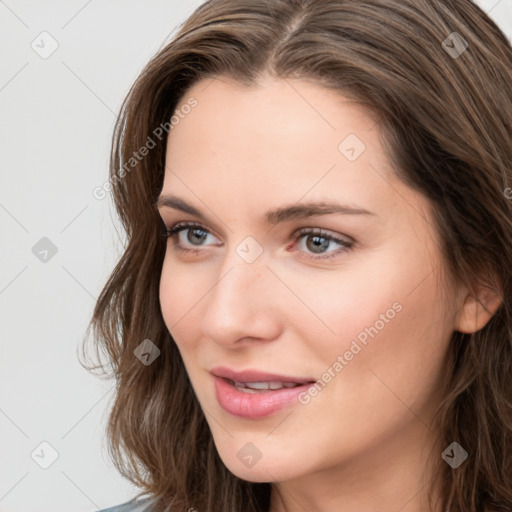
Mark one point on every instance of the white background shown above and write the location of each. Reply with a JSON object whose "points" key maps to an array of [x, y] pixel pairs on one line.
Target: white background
{"points": [[57, 116]]}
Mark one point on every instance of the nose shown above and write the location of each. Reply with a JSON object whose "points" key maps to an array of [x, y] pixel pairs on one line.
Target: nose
{"points": [[243, 304]]}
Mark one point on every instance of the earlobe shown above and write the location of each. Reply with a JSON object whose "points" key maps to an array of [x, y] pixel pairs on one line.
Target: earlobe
{"points": [[478, 309]]}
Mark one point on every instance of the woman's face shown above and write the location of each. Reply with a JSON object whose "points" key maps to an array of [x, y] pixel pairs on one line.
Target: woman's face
{"points": [[362, 308]]}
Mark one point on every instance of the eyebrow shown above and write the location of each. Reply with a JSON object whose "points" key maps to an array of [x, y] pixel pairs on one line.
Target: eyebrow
{"points": [[277, 215]]}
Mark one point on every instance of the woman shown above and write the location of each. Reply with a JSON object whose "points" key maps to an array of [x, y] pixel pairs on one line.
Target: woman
{"points": [[325, 324]]}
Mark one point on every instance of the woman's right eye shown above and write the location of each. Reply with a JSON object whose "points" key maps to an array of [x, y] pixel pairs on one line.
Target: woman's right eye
{"points": [[193, 233]]}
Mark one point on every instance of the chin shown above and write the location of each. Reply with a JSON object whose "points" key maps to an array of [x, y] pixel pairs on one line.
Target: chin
{"points": [[267, 469], [257, 474]]}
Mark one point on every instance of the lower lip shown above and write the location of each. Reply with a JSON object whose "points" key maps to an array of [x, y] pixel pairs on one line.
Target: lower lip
{"points": [[255, 405]]}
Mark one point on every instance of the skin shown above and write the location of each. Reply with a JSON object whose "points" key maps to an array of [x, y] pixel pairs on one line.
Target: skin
{"points": [[361, 443]]}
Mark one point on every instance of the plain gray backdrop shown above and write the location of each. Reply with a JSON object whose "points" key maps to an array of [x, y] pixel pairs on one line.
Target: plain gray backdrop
{"points": [[66, 67]]}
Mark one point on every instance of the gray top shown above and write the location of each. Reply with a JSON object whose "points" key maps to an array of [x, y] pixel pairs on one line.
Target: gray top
{"points": [[141, 505]]}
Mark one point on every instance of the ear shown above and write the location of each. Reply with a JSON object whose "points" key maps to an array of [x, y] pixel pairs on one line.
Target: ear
{"points": [[478, 308]]}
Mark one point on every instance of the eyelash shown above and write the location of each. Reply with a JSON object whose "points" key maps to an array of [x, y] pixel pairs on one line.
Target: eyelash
{"points": [[182, 226]]}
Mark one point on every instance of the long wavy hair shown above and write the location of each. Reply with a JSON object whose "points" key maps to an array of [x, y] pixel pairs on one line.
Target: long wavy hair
{"points": [[437, 74]]}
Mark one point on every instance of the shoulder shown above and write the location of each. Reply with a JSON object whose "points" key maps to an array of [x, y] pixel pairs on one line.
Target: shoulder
{"points": [[131, 506]]}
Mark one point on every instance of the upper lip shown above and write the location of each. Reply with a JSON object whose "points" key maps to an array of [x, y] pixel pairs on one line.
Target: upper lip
{"points": [[256, 376]]}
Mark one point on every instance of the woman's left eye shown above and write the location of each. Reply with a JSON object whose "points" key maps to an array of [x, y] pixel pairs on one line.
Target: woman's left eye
{"points": [[311, 239], [317, 239]]}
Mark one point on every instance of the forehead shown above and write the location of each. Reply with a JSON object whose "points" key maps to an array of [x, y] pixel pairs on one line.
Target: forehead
{"points": [[249, 149], [291, 109]]}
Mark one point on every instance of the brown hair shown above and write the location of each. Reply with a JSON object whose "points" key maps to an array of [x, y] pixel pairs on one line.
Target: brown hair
{"points": [[446, 122]]}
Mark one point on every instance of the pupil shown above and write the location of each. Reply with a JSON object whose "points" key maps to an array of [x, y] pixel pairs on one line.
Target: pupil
{"points": [[200, 238], [317, 245]]}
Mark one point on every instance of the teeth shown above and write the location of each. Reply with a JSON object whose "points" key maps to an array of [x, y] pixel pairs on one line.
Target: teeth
{"points": [[254, 387], [247, 390]]}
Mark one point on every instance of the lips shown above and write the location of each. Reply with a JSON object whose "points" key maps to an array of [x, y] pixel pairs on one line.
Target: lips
{"points": [[253, 394], [247, 376]]}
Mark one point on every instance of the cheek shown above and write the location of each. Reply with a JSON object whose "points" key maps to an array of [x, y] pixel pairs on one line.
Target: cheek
{"points": [[392, 346], [337, 307], [168, 300], [384, 315], [388, 369], [178, 295]]}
